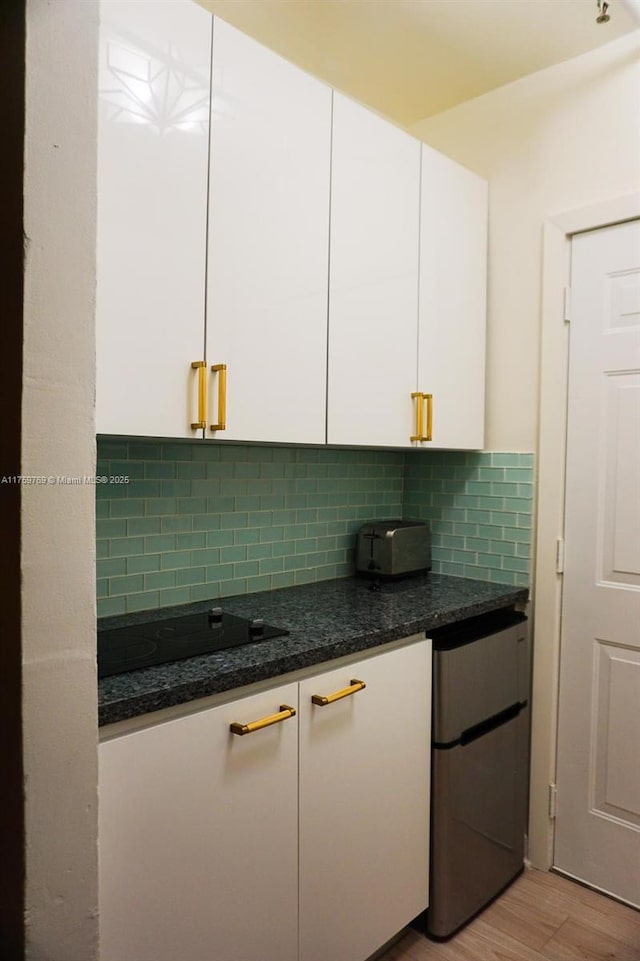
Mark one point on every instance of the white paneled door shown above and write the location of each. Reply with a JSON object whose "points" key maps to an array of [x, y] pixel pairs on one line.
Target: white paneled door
{"points": [[598, 816]]}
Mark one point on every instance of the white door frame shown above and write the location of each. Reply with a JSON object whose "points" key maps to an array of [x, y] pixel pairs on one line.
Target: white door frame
{"points": [[554, 356]]}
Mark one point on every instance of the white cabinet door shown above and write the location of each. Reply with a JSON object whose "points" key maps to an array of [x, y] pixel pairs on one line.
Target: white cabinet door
{"points": [[268, 243], [453, 278], [153, 141], [364, 804], [373, 298], [198, 838]]}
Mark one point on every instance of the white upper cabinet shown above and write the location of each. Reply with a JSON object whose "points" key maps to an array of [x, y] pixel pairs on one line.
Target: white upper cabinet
{"points": [[453, 285], [373, 298], [268, 243], [407, 290], [153, 143], [275, 262]]}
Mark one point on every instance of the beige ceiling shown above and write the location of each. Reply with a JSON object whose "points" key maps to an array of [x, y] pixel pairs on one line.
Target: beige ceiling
{"points": [[410, 59]]}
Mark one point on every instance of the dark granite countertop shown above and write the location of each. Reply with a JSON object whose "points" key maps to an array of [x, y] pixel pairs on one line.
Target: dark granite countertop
{"points": [[326, 620]]}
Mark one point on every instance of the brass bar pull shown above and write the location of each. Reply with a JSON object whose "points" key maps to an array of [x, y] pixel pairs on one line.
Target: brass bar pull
{"points": [[429, 400], [284, 714], [221, 371], [321, 700], [419, 396], [201, 367]]}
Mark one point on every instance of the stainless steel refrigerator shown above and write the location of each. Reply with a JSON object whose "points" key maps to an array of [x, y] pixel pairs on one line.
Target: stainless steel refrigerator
{"points": [[480, 766]]}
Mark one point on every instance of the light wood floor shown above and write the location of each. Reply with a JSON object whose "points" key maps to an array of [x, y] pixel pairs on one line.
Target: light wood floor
{"points": [[541, 917]]}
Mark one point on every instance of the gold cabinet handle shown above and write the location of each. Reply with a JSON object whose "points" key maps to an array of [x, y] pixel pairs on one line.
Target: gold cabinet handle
{"points": [[221, 371], [417, 394], [321, 700], [420, 431], [201, 367], [429, 400], [283, 714]]}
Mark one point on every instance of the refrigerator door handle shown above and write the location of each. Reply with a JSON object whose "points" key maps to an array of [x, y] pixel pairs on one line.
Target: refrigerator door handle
{"points": [[491, 723]]}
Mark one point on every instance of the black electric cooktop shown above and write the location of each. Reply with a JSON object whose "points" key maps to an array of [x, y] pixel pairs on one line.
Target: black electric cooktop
{"points": [[125, 649]]}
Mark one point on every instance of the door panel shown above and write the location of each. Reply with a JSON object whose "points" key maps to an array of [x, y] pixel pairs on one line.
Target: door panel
{"points": [[598, 826], [373, 296], [453, 293], [364, 808], [268, 242], [153, 148], [198, 837], [617, 771], [621, 518]]}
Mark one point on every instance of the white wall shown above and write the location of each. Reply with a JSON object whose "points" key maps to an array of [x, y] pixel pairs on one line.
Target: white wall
{"points": [[58, 546], [559, 139]]}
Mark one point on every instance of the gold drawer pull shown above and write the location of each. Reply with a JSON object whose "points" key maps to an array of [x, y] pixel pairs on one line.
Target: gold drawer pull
{"points": [[417, 394], [429, 400], [321, 700], [221, 371], [201, 367], [284, 713], [421, 397]]}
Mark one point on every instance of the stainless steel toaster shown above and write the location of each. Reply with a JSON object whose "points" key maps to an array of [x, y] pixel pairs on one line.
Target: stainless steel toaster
{"points": [[391, 548]]}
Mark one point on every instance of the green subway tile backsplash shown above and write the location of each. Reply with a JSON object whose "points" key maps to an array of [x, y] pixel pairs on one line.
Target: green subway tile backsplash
{"points": [[202, 520], [480, 508]]}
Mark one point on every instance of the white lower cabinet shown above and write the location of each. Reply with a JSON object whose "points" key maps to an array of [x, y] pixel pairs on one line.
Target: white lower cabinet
{"points": [[198, 836], [212, 850], [364, 804]]}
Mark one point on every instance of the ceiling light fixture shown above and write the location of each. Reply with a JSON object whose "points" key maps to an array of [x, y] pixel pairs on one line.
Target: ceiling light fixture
{"points": [[603, 16]]}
